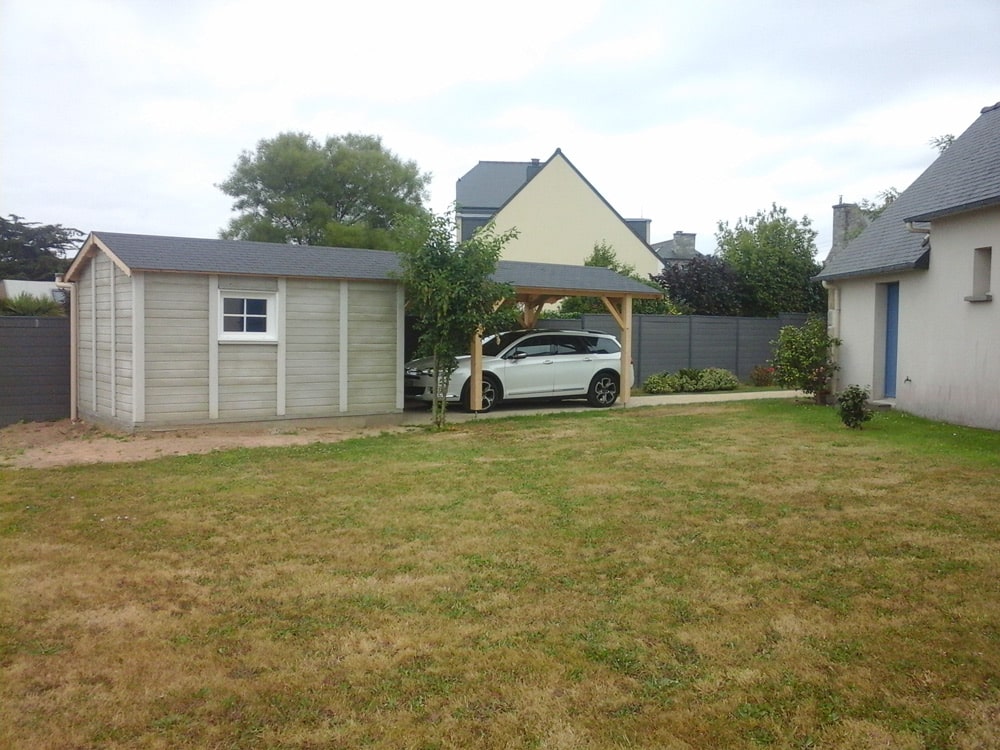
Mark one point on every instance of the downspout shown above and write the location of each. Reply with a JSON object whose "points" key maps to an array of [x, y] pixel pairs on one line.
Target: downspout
{"points": [[74, 322]]}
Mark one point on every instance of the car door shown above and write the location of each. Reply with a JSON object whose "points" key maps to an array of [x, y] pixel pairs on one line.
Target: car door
{"points": [[528, 368], [574, 366]]}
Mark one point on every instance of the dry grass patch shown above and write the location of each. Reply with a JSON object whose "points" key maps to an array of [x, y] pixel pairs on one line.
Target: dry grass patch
{"points": [[743, 575]]}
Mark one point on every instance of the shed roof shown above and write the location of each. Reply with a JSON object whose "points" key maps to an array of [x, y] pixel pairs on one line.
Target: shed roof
{"points": [[140, 252], [965, 177]]}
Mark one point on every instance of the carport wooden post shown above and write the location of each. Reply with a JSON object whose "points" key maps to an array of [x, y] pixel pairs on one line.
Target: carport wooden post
{"points": [[476, 377], [624, 319]]}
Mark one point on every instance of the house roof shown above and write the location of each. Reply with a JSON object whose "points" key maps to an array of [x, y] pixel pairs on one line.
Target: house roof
{"points": [[965, 177], [140, 252], [489, 184]]}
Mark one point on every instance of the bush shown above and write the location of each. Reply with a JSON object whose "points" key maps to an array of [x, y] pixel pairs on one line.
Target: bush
{"points": [[803, 358], [691, 380], [762, 376], [28, 305], [852, 404]]}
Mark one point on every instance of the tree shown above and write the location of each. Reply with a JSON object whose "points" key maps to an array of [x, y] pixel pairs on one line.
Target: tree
{"points": [[451, 292], [349, 191], [604, 256], [32, 251], [775, 256], [803, 358], [704, 285], [942, 142], [874, 208]]}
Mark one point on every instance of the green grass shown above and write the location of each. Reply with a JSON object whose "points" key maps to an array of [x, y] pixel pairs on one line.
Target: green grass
{"points": [[749, 574]]}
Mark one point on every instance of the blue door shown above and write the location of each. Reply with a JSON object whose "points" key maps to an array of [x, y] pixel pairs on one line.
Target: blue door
{"points": [[891, 337]]}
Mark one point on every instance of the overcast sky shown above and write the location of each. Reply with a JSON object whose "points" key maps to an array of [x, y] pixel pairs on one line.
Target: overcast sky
{"points": [[124, 115]]}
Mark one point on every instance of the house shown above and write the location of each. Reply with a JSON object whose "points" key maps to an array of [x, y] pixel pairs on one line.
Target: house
{"points": [[912, 296], [11, 288], [559, 215], [676, 251], [171, 331]]}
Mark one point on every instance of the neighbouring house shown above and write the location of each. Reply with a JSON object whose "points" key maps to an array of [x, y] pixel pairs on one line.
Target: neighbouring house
{"points": [[913, 295], [559, 215], [676, 251], [171, 331], [11, 288]]}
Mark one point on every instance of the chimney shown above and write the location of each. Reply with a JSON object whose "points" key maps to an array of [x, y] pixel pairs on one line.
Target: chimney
{"points": [[534, 168], [684, 245], [848, 222]]}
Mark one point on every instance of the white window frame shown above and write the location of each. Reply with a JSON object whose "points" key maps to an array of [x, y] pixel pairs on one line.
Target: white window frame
{"points": [[982, 268], [269, 336]]}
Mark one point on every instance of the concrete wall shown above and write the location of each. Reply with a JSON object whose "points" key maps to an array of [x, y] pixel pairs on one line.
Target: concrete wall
{"points": [[34, 369]]}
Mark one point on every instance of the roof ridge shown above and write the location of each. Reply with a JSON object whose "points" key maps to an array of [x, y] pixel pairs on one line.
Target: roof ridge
{"points": [[984, 110]]}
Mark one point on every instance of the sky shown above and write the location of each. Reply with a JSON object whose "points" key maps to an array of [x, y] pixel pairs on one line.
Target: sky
{"points": [[124, 115]]}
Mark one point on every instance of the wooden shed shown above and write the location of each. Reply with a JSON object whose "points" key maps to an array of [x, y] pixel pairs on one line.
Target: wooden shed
{"points": [[171, 331]]}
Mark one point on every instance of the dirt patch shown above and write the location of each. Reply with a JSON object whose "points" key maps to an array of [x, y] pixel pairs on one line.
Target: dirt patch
{"points": [[41, 445]]}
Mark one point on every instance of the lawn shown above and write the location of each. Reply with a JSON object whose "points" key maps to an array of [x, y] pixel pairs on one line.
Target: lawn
{"points": [[734, 575]]}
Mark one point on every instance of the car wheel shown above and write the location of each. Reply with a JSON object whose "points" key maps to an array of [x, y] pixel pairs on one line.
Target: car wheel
{"points": [[491, 395], [603, 391]]}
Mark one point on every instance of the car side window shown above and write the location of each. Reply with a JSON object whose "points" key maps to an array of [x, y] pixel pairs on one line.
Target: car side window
{"points": [[602, 345], [539, 346], [570, 345]]}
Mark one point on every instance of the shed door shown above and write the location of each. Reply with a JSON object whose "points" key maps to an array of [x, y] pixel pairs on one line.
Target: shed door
{"points": [[891, 337]]}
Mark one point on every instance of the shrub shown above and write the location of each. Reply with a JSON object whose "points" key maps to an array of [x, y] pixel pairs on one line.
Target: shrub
{"points": [[656, 384], [803, 358], [691, 380], [28, 305], [717, 379], [762, 376], [852, 403]]}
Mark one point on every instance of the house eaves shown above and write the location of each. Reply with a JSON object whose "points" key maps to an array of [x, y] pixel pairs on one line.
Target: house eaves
{"points": [[965, 177]]}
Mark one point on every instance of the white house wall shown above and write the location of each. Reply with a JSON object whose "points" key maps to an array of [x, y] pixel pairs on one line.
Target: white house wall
{"points": [[560, 218], [948, 359]]}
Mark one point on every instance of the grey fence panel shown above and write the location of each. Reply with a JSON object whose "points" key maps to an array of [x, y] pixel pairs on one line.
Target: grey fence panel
{"points": [[668, 343], [714, 342], [34, 369]]}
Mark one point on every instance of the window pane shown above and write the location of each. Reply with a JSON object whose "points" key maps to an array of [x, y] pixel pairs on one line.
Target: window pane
{"points": [[256, 325], [232, 306], [256, 307], [232, 324]]}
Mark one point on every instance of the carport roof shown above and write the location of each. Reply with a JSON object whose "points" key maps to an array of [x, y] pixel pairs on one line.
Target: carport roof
{"points": [[140, 252]]}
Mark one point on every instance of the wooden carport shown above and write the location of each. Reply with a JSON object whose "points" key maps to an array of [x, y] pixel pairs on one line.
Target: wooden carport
{"points": [[539, 284]]}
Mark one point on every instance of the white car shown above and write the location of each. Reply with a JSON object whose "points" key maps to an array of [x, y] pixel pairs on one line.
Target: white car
{"points": [[537, 364]]}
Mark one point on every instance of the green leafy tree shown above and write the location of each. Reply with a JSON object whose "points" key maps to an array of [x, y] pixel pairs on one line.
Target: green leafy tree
{"points": [[451, 292], [347, 191], [775, 256], [34, 252], [29, 305], [874, 208], [704, 285], [604, 256], [803, 358]]}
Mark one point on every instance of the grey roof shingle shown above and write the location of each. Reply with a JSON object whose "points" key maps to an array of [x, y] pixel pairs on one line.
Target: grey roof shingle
{"points": [[489, 184], [963, 178], [141, 252]]}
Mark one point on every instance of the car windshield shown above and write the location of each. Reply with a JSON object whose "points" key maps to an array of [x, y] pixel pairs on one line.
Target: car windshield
{"points": [[493, 345]]}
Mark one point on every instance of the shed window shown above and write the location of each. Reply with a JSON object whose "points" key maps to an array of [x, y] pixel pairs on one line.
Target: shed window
{"points": [[248, 318]]}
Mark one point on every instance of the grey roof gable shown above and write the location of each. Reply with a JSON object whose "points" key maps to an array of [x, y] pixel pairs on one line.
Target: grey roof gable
{"points": [[489, 184], [965, 177], [139, 252]]}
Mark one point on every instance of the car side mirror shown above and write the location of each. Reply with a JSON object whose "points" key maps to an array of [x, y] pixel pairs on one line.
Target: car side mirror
{"points": [[518, 355]]}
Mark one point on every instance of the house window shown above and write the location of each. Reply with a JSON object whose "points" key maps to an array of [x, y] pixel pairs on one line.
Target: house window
{"points": [[982, 262], [248, 318]]}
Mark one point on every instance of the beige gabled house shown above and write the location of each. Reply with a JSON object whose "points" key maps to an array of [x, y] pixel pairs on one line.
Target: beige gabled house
{"points": [[558, 214]]}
